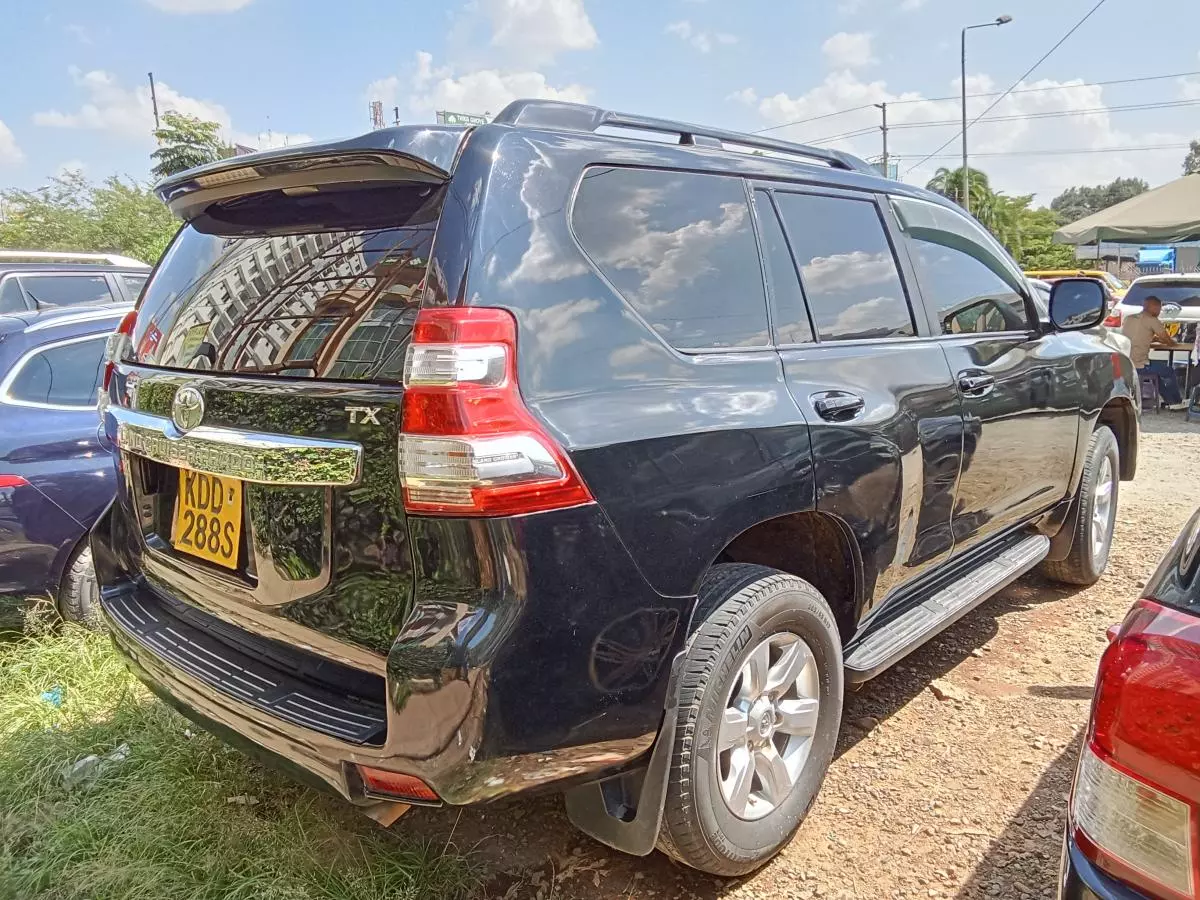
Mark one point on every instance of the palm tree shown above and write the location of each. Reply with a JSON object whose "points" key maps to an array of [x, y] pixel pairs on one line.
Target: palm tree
{"points": [[949, 183]]}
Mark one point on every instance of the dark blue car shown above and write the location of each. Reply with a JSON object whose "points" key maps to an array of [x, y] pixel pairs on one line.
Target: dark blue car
{"points": [[56, 474]]}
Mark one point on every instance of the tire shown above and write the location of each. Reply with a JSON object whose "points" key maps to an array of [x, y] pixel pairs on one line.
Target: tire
{"points": [[1101, 478], [741, 608], [79, 593]]}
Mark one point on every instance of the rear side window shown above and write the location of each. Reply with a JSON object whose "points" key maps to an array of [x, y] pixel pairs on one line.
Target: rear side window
{"points": [[133, 284], [66, 290], [11, 299], [680, 248], [847, 267], [791, 319], [962, 276], [63, 374]]}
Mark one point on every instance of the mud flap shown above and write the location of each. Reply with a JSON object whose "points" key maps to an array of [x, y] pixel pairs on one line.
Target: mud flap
{"points": [[625, 811]]}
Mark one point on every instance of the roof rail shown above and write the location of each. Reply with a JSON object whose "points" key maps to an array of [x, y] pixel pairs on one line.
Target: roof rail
{"points": [[112, 259], [580, 117]]}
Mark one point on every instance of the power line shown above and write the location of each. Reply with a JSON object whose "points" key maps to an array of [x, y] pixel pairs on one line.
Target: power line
{"points": [[1032, 90], [1073, 152], [1013, 86]]}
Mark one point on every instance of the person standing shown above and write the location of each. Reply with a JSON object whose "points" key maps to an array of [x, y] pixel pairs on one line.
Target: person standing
{"points": [[1146, 332]]}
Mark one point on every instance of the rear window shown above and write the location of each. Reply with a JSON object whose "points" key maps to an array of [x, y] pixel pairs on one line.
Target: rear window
{"points": [[334, 298], [62, 374], [1181, 294], [48, 291], [680, 248]]}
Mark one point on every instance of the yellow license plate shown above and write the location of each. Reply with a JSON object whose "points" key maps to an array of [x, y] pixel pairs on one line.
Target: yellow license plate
{"points": [[208, 517]]}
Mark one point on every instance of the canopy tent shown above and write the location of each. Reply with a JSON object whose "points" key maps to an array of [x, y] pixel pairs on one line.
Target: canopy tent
{"points": [[1165, 215]]}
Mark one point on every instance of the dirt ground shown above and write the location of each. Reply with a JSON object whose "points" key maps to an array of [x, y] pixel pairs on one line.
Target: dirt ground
{"points": [[926, 798]]}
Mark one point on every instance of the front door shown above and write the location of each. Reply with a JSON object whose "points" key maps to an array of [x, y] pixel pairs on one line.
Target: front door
{"points": [[1019, 402], [883, 412]]}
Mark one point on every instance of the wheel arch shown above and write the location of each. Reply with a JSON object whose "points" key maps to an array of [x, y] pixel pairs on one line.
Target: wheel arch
{"points": [[1119, 415], [813, 545]]}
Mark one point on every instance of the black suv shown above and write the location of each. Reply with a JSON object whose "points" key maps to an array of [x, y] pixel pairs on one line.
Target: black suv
{"points": [[458, 462], [32, 280]]}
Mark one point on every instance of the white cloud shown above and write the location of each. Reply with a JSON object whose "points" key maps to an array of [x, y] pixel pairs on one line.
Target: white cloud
{"points": [[846, 50], [911, 5], [703, 41], [850, 7], [127, 112], [536, 31], [1044, 175], [747, 96], [72, 165], [199, 6], [428, 88], [10, 153]]}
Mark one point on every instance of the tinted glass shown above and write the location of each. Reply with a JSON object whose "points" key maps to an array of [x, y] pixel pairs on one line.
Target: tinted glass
{"points": [[67, 375], [680, 248], [963, 276], [11, 299], [1182, 294], [791, 318], [312, 304], [133, 284], [846, 266], [1078, 304], [66, 290]]}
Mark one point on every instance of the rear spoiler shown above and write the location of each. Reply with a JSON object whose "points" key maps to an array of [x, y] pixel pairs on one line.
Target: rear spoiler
{"points": [[407, 153]]}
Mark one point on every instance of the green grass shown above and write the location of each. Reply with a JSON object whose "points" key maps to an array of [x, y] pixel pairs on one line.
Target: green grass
{"points": [[160, 824]]}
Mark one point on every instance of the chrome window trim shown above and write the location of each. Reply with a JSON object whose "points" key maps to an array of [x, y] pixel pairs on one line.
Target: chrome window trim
{"points": [[259, 457], [6, 397]]}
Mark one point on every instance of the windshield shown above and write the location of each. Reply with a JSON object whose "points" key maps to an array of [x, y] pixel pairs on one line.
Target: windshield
{"points": [[1184, 294], [1114, 282]]}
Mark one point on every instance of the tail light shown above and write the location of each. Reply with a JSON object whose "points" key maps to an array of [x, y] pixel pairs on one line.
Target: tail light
{"points": [[396, 786], [118, 346], [468, 444], [1114, 318], [11, 481], [1134, 807]]}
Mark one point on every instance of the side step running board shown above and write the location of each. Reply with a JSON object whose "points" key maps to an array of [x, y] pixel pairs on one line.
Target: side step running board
{"points": [[881, 647]]}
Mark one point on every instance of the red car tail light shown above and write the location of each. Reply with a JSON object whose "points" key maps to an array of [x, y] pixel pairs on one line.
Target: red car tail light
{"points": [[118, 343], [394, 785], [1134, 806], [12, 481], [468, 444], [1114, 319]]}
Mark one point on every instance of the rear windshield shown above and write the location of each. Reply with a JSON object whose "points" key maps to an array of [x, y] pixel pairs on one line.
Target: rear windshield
{"points": [[1181, 294], [298, 300]]}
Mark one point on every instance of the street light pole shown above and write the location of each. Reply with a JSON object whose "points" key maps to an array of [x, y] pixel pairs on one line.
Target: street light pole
{"points": [[966, 171]]}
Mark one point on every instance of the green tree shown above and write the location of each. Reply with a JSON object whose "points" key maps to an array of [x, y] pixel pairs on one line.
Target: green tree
{"points": [[1191, 162], [949, 183], [184, 142], [1075, 203], [70, 213]]}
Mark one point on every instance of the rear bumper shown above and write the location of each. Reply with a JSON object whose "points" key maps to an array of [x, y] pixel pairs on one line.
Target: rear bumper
{"points": [[500, 678], [1080, 880]]}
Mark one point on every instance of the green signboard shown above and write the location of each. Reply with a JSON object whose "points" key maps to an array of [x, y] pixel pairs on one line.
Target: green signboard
{"points": [[456, 118]]}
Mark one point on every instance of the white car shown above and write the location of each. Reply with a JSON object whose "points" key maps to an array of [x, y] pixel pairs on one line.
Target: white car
{"points": [[1180, 296]]}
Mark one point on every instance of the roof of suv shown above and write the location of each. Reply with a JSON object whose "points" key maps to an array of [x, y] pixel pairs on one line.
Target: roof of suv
{"points": [[32, 320], [69, 268]]}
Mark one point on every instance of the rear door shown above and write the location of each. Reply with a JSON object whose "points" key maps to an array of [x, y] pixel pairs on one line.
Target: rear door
{"points": [[883, 410], [1020, 388]]}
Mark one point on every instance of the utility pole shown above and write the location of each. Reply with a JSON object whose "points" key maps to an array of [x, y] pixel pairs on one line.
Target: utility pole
{"points": [[882, 107], [153, 100], [396, 113]]}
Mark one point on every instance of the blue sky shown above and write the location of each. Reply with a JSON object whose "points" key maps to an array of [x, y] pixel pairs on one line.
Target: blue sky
{"points": [[74, 90]]}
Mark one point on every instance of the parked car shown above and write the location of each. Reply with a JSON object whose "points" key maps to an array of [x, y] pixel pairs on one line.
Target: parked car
{"points": [[471, 461], [56, 473], [1135, 807], [1180, 296], [35, 280], [1114, 284]]}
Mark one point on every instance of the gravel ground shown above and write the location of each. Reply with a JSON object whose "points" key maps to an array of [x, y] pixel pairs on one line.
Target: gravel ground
{"points": [[926, 798]]}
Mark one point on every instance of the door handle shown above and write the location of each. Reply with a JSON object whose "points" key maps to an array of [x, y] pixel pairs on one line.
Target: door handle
{"points": [[976, 384], [838, 406]]}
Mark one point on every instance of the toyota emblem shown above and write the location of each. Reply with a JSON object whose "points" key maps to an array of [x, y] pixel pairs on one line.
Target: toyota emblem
{"points": [[187, 411]]}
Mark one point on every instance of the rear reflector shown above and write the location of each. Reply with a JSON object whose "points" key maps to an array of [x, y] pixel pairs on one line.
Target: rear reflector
{"points": [[397, 786], [469, 446]]}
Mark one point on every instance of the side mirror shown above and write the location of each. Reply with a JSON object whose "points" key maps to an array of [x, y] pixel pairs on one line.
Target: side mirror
{"points": [[1077, 303]]}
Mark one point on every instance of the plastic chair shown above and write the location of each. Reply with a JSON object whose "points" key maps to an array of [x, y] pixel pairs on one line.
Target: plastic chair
{"points": [[1193, 409], [1151, 399]]}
